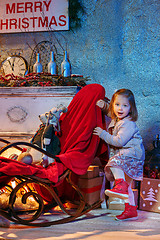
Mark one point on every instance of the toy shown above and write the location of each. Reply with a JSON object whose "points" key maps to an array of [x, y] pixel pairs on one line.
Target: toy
{"points": [[45, 138], [52, 117], [25, 158]]}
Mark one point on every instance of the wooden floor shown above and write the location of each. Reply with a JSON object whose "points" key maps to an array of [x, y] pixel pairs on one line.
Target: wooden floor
{"points": [[99, 224]]}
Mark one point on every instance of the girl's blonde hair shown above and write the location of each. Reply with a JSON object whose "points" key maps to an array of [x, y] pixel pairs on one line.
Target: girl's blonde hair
{"points": [[129, 95]]}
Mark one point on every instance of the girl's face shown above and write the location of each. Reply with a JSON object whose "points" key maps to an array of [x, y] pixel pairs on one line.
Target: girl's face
{"points": [[121, 107]]}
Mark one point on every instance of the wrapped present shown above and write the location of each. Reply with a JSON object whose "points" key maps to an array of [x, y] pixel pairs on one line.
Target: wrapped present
{"points": [[115, 204], [91, 188], [92, 172], [150, 195], [119, 204]]}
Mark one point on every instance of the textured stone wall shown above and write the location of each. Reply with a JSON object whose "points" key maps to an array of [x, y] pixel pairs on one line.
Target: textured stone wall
{"points": [[116, 46]]}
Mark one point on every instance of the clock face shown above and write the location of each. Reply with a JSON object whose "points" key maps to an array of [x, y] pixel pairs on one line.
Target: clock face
{"points": [[16, 65]]}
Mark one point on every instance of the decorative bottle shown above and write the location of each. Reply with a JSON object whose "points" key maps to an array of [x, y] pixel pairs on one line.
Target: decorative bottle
{"points": [[65, 66], [37, 67], [52, 65]]}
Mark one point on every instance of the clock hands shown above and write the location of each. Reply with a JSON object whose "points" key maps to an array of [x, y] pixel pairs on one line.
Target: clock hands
{"points": [[12, 67], [13, 64]]}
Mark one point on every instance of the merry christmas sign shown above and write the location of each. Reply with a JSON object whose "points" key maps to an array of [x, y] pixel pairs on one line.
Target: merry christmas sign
{"points": [[150, 195], [33, 15]]}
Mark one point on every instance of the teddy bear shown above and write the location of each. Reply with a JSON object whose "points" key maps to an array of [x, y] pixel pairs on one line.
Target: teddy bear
{"points": [[45, 138]]}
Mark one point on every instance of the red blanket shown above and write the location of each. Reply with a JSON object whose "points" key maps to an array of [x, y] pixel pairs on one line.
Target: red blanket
{"points": [[78, 144]]}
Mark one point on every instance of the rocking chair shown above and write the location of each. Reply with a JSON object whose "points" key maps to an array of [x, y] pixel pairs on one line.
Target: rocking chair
{"points": [[43, 185]]}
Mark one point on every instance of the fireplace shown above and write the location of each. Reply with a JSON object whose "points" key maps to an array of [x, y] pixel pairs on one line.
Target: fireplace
{"points": [[21, 106]]}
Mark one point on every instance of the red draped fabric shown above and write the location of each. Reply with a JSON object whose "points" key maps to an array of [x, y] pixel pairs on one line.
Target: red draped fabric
{"points": [[78, 144], [12, 168]]}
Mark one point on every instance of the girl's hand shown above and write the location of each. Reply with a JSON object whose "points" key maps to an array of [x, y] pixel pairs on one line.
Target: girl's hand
{"points": [[97, 131], [101, 103]]}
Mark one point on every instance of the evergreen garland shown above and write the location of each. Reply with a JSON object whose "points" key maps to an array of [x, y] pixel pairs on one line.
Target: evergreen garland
{"points": [[76, 9], [42, 80]]}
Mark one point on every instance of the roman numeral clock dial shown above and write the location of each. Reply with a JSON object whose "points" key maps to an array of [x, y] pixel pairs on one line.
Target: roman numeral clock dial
{"points": [[15, 64]]}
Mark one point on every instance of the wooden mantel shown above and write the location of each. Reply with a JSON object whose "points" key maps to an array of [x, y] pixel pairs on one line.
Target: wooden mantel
{"points": [[57, 91], [21, 106]]}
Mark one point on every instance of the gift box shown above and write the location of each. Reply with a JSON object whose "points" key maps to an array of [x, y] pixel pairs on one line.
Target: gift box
{"points": [[90, 184], [91, 189], [115, 204], [92, 172], [150, 195], [119, 204]]}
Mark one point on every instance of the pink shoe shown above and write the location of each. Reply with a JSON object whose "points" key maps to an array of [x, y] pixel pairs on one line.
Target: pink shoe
{"points": [[130, 213], [120, 189]]}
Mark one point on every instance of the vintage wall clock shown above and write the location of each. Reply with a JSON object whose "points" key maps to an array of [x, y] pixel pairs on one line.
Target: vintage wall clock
{"points": [[15, 64]]}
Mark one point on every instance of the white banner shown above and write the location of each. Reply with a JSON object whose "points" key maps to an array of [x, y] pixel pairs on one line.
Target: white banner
{"points": [[33, 15]]}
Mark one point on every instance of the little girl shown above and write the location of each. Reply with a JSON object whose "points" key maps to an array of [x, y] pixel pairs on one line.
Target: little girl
{"points": [[126, 149]]}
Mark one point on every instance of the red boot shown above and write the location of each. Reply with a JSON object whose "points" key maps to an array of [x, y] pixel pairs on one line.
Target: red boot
{"points": [[130, 213], [120, 189]]}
